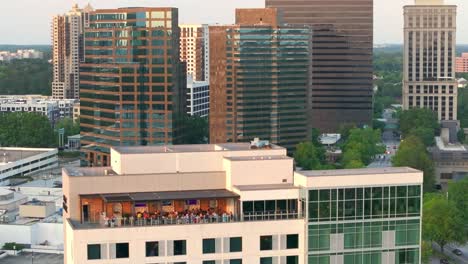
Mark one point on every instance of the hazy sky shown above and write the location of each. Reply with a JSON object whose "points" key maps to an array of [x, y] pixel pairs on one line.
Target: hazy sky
{"points": [[28, 21]]}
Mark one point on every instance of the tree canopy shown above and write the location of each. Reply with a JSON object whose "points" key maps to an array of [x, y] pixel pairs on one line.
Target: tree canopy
{"points": [[458, 196], [28, 76], [441, 221], [196, 130], [419, 122], [361, 146], [412, 153], [26, 130]]}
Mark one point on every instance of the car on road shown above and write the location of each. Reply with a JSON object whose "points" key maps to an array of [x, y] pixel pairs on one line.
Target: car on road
{"points": [[457, 252], [444, 261]]}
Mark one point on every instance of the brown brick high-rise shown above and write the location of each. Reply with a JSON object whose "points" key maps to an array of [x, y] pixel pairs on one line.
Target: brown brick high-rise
{"points": [[342, 58]]}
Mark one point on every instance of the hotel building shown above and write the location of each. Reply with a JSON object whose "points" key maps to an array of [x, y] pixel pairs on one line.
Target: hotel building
{"points": [[132, 85], [237, 203], [67, 51], [259, 79], [429, 58], [342, 70]]}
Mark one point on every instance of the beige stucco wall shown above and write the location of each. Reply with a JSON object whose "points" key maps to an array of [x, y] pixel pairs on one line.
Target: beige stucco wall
{"points": [[360, 180], [180, 162], [137, 237], [39, 211], [259, 171]]}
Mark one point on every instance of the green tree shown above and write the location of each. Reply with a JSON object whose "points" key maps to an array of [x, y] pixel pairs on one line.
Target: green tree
{"points": [[420, 122], [28, 76], [458, 196], [362, 145], [463, 107], [412, 153], [196, 130], [441, 221], [71, 128], [308, 156], [427, 135], [26, 130]]}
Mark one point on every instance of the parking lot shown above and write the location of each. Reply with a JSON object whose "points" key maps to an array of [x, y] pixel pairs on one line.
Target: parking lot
{"points": [[39, 258]]}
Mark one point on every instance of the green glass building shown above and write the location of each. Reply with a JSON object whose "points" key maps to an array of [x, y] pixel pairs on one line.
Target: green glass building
{"points": [[259, 80], [378, 224], [132, 81]]}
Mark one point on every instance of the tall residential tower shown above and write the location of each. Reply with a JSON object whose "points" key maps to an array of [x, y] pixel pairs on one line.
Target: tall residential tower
{"points": [[429, 58], [342, 58], [259, 79], [132, 81], [193, 43], [67, 51]]}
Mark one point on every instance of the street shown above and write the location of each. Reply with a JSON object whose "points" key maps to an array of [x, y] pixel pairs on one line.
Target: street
{"points": [[391, 142]]}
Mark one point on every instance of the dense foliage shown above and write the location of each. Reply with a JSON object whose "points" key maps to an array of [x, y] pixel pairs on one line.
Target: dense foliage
{"points": [[412, 153], [421, 123], [463, 107], [442, 222], [26, 130], [311, 155], [388, 69], [361, 146], [196, 130], [458, 196], [71, 128], [29, 76]]}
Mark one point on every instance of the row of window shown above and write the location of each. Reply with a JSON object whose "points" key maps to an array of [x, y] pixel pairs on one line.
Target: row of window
{"points": [[179, 247]]}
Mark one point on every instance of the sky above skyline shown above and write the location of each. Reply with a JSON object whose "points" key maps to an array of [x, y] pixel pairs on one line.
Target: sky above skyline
{"points": [[28, 21]]}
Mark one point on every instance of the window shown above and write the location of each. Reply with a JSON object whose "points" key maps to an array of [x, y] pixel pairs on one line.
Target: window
{"points": [[121, 250], [235, 244], [292, 260], [209, 262], [209, 245], [235, 261], [266, 242], [94, 251], [152, 249], [180, 247], [292, 241], [266, 260]]}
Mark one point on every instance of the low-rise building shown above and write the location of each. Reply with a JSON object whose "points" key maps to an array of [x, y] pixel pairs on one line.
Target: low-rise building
{"points": [[237, 203], [198, 97], [461, 65], [450, 160], [21, 54], [24, 161], [54, 109]]}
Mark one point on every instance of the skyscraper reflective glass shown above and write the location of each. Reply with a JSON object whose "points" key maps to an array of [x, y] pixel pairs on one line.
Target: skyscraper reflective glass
{"points": [[131, 81]]}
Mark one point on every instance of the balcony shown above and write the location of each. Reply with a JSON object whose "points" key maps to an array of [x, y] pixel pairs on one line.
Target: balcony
{"points": [[169, 208]]}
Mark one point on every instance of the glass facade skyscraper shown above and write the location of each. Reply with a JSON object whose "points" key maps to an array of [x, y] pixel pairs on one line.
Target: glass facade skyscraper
{"points": [[132, 82], [368, 225], [342, 68], [259, 79]]}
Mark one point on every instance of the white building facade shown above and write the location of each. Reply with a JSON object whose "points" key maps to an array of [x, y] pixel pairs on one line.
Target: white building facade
{"points": [[198, 97], [233, 203]]}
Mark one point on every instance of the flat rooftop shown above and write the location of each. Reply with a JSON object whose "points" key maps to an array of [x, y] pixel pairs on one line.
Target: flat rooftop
{"points": [[258, 158], [190, 148], [449, 147], [89, 171], [353, 172], [8, 155]]}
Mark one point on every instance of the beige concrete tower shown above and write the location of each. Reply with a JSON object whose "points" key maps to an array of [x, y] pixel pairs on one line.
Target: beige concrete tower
{"points": [[67, 51], [192, 50], [429, 58]]}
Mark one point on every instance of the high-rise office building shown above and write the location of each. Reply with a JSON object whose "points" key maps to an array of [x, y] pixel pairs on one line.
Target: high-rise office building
{"points": [[238, 204], [259, 79], [192, 50], [67, 51], [342, 58], [429, 58], [132, 83]]}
